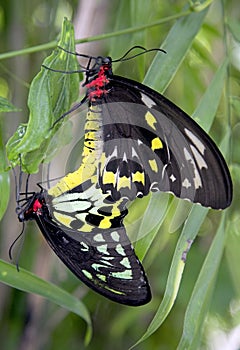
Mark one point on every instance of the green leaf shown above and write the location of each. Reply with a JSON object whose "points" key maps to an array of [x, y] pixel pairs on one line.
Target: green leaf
{"points": [[234, 28], [233, 224], [199, 303], [177, 44], [4, 178], [6, 106], [28, 282], [207, 108], [202, 292], [4, 192], [149, 227], [51, 94]]}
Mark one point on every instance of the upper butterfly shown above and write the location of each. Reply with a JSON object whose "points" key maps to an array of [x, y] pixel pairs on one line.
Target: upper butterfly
{"points": [[143, 142]]}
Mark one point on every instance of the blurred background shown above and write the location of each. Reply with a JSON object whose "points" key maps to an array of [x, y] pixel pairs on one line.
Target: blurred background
{"points": [[30, 322]]}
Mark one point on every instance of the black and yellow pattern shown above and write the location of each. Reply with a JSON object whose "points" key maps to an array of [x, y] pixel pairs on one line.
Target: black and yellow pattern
{"points": [[86, 231], [136, 141], [152, 145]]}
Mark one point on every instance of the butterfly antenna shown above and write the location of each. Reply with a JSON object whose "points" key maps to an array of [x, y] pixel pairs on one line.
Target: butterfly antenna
{"points": [[74, 108], [13, 244], [64, 71], [27, 185], [82, 70], [133, 48], [76, 54], [124, 58]]}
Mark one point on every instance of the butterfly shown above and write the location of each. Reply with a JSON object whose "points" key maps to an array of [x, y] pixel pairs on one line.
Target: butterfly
{"points": [[136, 142]]}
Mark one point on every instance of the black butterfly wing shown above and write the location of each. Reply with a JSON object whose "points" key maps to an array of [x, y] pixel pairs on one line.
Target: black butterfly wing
{"points": [[103, 259], [150, 144], [84, 228]]}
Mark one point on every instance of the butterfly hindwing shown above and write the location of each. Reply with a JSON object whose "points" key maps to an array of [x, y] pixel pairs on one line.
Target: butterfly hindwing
{"points": [[103, 259], [84, 228]]}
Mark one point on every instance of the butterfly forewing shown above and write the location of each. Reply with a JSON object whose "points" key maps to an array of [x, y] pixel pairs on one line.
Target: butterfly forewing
{"points": [[150, 144]]}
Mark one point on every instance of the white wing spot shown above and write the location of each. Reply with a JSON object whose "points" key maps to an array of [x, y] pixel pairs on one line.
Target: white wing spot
{"points": [[125, 262], [124, 157], [72, 206], [199, 159], [98, 267], [99, 238], [85, 247], [147, 101], [120, 249], [186, 183], [81, 216], [103, 249], [65, 241], [112, 155], [134, 153], [200, 146], [172, 178], [115, 236], [197, 178], [127, 274], [107, 257], [87, 274]]}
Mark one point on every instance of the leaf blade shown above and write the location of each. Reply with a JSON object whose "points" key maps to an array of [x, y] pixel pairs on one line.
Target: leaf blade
{"points": [[30, 283], [51, 95]]}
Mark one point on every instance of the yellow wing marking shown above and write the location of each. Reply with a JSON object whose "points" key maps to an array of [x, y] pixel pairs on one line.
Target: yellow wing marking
{"points": [[138, 177], [150, 119], [108, 177], [156, 143], [63, 219], [153, 165], [90, 156], [123, 181], [72, 180]]}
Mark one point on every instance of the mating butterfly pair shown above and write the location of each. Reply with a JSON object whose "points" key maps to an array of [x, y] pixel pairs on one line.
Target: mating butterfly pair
{"points": [[136, 141]]}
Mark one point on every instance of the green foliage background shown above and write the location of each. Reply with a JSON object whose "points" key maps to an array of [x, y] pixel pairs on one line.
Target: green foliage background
{"points": [[201, 78]]}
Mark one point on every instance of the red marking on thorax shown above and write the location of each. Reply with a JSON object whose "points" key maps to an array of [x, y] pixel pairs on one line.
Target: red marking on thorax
{"points": [[95, 87], [37, 205]]}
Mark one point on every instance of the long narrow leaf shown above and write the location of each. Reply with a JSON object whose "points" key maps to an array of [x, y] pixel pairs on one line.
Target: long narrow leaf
{"points": [[28, 282], [177, 44], [202, 293]]}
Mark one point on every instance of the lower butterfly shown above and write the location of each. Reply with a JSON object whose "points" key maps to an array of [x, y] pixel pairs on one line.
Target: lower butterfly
{"points": [[85, 229], [136, 141]]}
